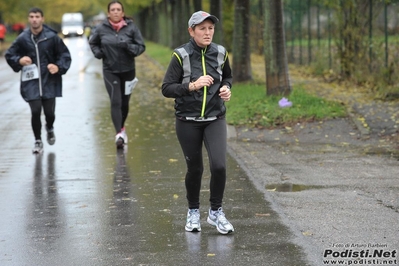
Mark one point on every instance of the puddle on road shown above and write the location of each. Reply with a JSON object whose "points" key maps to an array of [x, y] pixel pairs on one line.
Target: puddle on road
{"points": [[288, 187]]}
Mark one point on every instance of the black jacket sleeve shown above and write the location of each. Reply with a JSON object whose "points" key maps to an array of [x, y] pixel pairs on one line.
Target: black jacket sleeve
{"points": [[172, 86], [63, 57], [12, 56], [137, 47], [95, 45], [227, 77]]}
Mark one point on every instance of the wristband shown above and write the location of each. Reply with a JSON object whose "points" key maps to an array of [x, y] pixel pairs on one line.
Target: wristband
{"points": [[193, 85]]}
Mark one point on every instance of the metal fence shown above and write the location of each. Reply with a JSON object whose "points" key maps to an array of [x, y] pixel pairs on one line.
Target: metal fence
{"points": [[312, 33]]}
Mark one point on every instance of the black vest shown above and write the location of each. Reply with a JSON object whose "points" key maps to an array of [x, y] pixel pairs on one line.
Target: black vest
{"points": [[197, 62]]}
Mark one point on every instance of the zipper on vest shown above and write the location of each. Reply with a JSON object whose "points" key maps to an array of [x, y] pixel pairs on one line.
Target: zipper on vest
{"points": [[205, 87]]}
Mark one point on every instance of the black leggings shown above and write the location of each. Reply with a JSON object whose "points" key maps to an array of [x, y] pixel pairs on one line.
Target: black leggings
{"points": [[36, 106], [192, 135], [115, 85]]}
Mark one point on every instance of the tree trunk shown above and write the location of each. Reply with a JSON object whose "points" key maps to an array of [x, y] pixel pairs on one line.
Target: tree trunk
{"points": [[154, 17], [166, 38], [241, 45], [216, 10], [277, 77], [353, 25], [197, 5], [186, 14], [179, 25]]}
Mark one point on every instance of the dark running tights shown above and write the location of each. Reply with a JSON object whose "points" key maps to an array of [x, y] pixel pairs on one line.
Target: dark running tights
{"points": [[36, 106], [192, 135], [115, 85]]}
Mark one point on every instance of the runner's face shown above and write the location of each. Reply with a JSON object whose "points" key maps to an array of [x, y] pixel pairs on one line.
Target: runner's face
{"points": [[36, 21], [203, 33], [115, 12]]}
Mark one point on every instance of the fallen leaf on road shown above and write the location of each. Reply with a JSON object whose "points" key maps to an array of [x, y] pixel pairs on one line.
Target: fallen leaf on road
{"points": [[262, 214], [307, 233], [155, 171]]}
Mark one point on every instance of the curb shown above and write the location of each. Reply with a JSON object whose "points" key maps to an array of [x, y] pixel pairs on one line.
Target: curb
{"points": [[231, 132]]}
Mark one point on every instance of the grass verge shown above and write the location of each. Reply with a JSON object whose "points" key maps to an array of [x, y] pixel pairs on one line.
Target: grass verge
{"points": [[251, 107]]}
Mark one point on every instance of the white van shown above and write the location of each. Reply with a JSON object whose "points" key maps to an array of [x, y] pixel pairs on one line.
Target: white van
{"points": [[72, 24]]}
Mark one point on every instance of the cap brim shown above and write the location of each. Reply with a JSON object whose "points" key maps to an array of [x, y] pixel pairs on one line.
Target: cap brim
{"points": [[213, 18]]}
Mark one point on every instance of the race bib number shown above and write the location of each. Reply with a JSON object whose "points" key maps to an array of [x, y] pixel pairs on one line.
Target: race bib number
{"points": [[130, 85], [30, 72]]}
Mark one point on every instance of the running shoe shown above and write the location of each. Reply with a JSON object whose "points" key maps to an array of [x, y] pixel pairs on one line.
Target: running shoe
{"points": [[50, 136], [218, 219], [193, 221], [124, 135], [119, 141], [38, 146]]}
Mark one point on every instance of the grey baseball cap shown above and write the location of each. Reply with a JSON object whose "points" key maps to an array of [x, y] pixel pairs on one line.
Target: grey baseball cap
{"points": [[200, 16]]}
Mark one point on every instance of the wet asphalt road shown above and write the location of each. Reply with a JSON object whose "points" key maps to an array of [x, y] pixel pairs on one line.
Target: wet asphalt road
{"points": [[81, 202]]}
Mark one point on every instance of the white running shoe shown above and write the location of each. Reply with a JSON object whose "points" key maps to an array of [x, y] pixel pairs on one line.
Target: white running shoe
{"points": [[218, 219], [124, 135], [38, 146], [193, 221], [119, 141]]}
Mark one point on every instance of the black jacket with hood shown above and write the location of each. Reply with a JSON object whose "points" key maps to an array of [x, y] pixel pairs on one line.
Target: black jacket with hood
{"points": [[45, 48], [117, 49]]}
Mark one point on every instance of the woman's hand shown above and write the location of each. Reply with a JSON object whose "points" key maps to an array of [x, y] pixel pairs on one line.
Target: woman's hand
{"points": [[202, 82], [225, 93]]}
